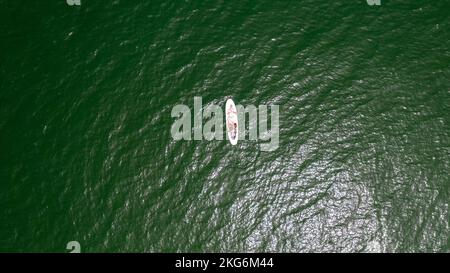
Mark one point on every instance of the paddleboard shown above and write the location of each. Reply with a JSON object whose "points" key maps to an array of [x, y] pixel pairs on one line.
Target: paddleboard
{"points": [[232, 122]]}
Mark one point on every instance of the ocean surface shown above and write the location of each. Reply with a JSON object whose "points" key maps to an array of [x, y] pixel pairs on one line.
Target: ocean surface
{"points": [[86, 152]]}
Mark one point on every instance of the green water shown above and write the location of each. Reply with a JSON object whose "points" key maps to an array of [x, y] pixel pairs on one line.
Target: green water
{"points": [[86, 153]]}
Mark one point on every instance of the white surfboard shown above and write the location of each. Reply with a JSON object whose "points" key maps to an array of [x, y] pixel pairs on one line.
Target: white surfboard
{"points": [[232, 122]]}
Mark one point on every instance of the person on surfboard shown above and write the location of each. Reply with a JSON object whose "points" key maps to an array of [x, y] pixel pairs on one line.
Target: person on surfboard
{"points": [[232, 128], [234, 131]]}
